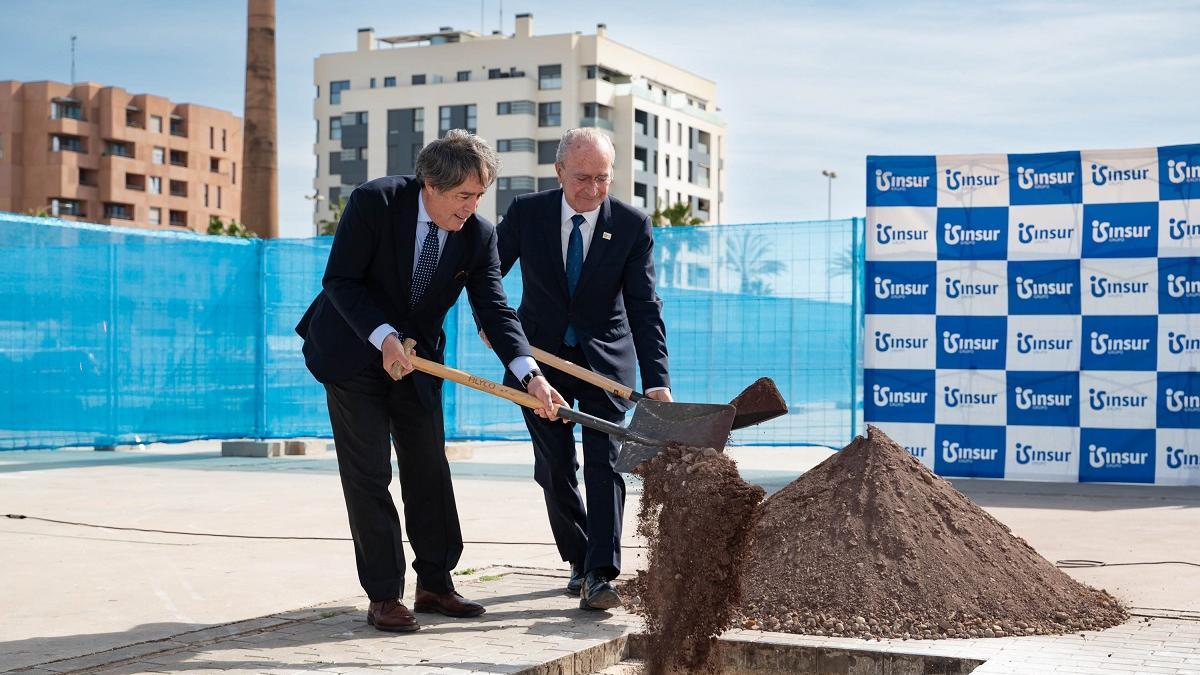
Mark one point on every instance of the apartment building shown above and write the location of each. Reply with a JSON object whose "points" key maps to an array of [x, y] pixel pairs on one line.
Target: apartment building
{"points": [[100, 154], [377, 106]]}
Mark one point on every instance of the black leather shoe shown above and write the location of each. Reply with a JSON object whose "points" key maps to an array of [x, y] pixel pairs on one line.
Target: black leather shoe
{"points": [[576, 581], [598, 593]]}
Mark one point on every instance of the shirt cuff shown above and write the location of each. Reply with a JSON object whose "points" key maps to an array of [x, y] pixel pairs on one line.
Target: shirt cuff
{"points": [[521, 366], [651, 390], [379, 334]]}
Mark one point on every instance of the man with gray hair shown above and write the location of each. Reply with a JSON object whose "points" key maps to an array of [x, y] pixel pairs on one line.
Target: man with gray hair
{"points": [[405, 248], [587, 269]]}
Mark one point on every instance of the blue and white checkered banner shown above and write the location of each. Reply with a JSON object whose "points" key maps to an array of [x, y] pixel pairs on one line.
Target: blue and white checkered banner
{"points": [[1037, 316]]}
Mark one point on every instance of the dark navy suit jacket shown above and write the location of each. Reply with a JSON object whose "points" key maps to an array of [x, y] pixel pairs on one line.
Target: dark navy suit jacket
{"points": [[616, 312], [368, 279]]}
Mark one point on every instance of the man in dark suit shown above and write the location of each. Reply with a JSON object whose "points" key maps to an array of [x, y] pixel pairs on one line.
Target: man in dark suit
{"points": [[404, 250], [587, 269]]}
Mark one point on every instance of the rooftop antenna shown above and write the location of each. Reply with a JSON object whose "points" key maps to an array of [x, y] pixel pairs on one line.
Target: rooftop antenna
{"points": [[481, 2], [501, 16], [73, 59]]}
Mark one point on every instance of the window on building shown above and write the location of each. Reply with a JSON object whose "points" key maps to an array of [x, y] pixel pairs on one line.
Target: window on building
{"points": [[596, 115], [702, 205], [640, 155], [516, 145], [66, 143], [156, 124], [178, 188], [133, 118], [335, 90], [178, 126], [389, 81], [224, 148], [691, 138], [418, 121], [472, 118], [335, 128], [514, 108], [158, 155], [179, 158], [87, 177], [66, 207], [218, 196], [418, 79], [550, 114], [547, 183], [550, 77], [115, 211], [372, 83], [463, 76], [639, 195], [61, 109], [155, 215], [214, 165], [212, 138], [654, 165], [668, 164], [178, 218], [119, 148], [679, 167], [679, 133], [206, 195], [515, 183], [135, 181], [154, 185], [589, 72], [233, 172], [547, 151], [456, 116], [668, 125], [641, 122]]}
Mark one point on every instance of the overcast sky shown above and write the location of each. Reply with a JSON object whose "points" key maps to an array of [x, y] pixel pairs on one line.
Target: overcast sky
{"points": [[803, 86]]}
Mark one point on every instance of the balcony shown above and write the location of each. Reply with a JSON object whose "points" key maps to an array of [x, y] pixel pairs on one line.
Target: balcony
{"points": [[599, 122]]}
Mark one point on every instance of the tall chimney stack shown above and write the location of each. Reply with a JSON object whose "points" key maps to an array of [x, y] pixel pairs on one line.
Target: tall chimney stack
{"points": [[260, 165]]}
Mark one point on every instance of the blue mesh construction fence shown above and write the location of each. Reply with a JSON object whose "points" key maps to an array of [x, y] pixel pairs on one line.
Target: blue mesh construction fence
{"points": [[112, 336]]}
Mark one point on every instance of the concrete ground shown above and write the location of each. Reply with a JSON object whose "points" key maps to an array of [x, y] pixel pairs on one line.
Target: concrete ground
{"points": [[72, 591]]}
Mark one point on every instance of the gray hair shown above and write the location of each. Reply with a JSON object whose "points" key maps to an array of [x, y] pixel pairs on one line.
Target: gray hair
{"points": [[576, 137], [448, 161]]}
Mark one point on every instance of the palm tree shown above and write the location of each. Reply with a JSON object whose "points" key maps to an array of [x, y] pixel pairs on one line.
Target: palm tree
{"points": [[680, 214], [746, 256], [329, 227]]}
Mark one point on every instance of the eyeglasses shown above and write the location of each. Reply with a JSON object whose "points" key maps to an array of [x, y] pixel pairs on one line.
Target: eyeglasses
{"points": [[598, 181]]}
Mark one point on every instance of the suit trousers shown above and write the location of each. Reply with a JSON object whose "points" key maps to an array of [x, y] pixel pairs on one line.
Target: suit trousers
{"points": [[365, 410], [587, 536]]}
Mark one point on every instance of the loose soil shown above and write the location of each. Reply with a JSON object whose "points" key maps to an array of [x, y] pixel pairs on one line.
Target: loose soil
{"points": [[871, 543], [697, 515]]}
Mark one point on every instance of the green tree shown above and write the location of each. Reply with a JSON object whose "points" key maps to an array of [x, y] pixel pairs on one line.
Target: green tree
{"points": [[231, 229], [329, 227], [747, 257], [679, 214]]}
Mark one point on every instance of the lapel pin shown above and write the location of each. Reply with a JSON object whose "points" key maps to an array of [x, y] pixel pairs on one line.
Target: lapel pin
{"points": [[606, 235]]}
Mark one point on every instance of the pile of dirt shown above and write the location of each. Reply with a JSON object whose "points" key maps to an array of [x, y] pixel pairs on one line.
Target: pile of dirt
{"points": [[696, 515], [872, 544]]}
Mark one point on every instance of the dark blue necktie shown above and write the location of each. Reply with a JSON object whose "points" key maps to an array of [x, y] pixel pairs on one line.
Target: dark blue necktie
{"points": [[426, 264], [574, 267]]}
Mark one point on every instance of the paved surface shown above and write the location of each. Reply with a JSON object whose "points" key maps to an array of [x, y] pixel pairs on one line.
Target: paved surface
{"points": [[72, 591]]}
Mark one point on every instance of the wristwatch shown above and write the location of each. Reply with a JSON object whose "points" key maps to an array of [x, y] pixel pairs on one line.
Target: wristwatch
{"points": [[529, 378]]}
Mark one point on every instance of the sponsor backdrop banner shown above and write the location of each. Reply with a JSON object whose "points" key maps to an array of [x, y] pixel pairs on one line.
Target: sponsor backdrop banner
{"points": [[1037, 316]]}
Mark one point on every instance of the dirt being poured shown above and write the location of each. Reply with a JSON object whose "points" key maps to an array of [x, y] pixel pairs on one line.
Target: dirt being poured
{"points": [[871, 543], [696, 515]]}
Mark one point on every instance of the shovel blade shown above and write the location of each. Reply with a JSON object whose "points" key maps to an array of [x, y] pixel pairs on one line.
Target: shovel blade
{"points": [[657, 424], [758, 403]]}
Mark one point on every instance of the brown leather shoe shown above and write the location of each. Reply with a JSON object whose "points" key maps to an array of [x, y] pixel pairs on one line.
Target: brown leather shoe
{"points": [[392, 616], [450, 604]]}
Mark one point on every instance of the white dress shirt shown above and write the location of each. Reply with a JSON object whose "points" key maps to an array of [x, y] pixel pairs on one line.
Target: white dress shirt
{"points": [[520, 366]]}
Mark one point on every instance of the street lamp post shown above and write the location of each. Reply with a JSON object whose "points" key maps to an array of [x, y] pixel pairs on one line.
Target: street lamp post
{"points": [[829, 195]]}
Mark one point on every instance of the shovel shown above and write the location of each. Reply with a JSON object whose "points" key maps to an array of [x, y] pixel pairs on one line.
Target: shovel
{"points": [[655, 424], [757, 403]]}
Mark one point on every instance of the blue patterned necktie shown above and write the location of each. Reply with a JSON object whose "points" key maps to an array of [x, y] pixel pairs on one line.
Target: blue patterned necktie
{"points": [[574, 267], [426, 264]]}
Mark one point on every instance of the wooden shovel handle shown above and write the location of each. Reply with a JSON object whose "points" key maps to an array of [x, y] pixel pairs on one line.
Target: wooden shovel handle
{"points": [[466, 379], [586, 375]]}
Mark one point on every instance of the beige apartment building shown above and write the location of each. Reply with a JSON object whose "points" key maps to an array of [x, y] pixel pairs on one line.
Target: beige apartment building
{"points": [[100, 154], [377, 106]]}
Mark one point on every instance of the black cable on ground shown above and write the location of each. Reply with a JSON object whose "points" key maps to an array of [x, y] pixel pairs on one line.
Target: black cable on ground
{"points": [[21, 516], [1079, 564]]}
